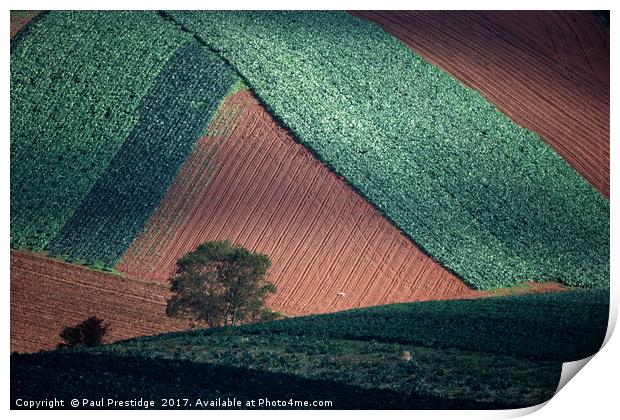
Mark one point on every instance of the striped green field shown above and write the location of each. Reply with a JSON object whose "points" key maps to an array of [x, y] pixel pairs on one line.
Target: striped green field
{"points": [[487, 198], [98, 134], [77, 81], [105, 108]]}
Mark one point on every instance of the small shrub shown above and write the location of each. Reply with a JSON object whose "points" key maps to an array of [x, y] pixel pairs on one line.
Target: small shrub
{"points": [[88, 333]]}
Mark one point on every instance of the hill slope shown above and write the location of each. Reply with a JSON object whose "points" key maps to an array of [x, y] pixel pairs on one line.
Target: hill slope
{"points": [[485, 197], [506, 352], [248, 181], [547, 70]]}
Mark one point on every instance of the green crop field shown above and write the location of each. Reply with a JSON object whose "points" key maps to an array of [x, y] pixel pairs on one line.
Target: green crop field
{"points": [[536, 326], [172, 116], [488, 199], [77, 80], [490, 353]]}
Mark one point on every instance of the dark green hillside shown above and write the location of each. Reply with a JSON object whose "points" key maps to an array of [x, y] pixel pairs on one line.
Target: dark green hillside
{"points": [[66, 376], [486, 198], [453, 354], [538, 326]]}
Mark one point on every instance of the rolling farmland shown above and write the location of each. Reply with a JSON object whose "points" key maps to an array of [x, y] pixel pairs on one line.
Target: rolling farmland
{"points": [[554, 83], [487, 353], [171, 117], [67, 126], [47, 295], [431, 189], [486, 198], [248, 181], [97, 376], [539, 326], [397, 186]]}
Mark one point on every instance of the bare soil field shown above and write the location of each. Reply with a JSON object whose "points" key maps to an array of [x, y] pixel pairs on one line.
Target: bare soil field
{"points": [[19, 19], [548, 71], [47, 295], [248, 181], [529, 287], [575, 39]]}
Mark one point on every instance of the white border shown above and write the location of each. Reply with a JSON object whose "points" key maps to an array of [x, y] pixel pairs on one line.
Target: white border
{"points": [[594, 393]]}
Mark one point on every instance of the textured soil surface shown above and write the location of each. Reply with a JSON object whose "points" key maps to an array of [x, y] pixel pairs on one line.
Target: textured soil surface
{"points": [[248, 181], [20, 18], [47, 295], [575, 39], [548, 71]]}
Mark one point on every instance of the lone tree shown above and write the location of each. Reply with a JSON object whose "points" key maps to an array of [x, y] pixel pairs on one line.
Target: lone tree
{"points": [[88, 333], [220, 284]]}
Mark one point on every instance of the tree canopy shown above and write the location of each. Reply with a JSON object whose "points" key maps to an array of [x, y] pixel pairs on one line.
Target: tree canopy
{"points": [[220, 284], [88, 333]]}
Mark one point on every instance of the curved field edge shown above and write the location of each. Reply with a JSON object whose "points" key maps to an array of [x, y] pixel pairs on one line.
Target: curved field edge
{"points": [[21, 21], [48, 295], [248, 181], [483, 205], [172, 115], [502, 353], [542, 74], [535, 326], [55, 160], [146, 253]]}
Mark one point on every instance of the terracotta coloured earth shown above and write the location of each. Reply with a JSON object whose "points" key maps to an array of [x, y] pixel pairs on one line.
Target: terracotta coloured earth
{"points": [[249, 181]]}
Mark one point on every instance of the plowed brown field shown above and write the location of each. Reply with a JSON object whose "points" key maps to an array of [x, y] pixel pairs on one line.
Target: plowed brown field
{"points": [[575, 39], [548, 71], [248, 181], [47, 295], [19, 19]]}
